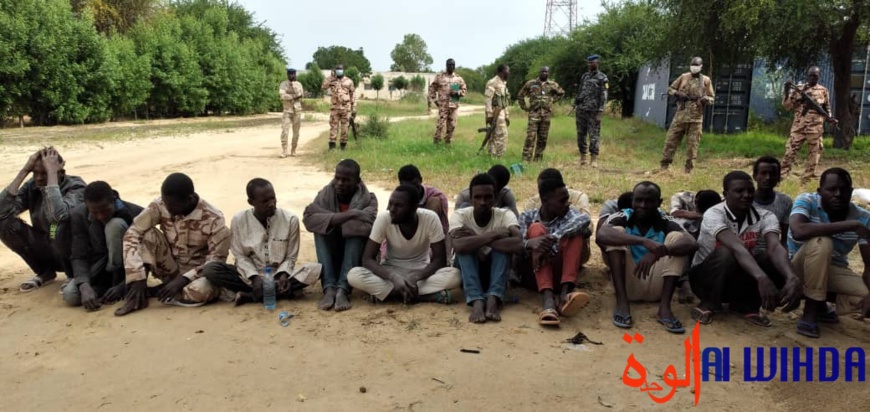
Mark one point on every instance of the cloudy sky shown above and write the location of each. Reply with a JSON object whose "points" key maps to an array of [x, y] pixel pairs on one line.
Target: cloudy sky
{"points": [[474, 32]]}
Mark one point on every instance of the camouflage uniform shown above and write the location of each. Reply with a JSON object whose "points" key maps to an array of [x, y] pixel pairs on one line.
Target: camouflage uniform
{"points": [[498, 96], [181, 246], [806, 127], [590, 100], [290, 93], [688, 119], [541, 96], [448, 106], [343, 104]]}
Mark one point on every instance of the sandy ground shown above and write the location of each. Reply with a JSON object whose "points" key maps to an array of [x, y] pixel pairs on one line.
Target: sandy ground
{"points": [[406, 357]]}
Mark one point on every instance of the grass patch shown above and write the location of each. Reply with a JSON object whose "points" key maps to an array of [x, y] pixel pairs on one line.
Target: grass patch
{"points": [[629, 150]]}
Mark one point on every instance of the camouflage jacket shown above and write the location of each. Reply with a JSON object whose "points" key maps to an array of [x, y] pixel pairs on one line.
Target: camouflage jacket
{"points": [[812, 119], [592, 93], [439, 89], [291, 94], [497, 95], [694, 88], [541, 96], [342, 93]]}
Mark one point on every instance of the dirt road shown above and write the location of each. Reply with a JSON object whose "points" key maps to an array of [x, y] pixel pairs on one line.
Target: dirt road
{"points": [[407, 358]]}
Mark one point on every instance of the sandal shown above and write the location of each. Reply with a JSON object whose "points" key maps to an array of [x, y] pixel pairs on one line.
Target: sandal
{"points": [[549, 317], [575, 302], [34, 283], [621, 321], [808, 329], [757, 319], [704, 317], [672, 325]]}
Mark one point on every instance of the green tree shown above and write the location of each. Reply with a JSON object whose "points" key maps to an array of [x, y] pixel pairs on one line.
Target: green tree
{"points": [[312, 80], [400, 83], [411, 55], [111, 16], [353, 73], [329, 57], [129, 76], [473, 80], [418, 83], [378, 85]]}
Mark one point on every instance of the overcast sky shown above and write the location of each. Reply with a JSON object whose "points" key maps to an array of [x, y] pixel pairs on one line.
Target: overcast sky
{"points": [[474, 32]]}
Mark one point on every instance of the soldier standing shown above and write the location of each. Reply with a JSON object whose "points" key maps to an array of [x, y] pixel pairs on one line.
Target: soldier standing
{"points": [[498, 99], [541, 93], [291, 94], [808, 124], [343, 105], [589, 105], [445, 91], [693, 92]]}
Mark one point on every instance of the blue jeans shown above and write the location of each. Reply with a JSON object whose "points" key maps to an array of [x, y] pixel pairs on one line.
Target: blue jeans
{"points": [[338, 255], [471, 268]]}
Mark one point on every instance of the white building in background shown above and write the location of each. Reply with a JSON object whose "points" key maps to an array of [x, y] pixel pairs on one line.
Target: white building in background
{"points": [[365, 91]]}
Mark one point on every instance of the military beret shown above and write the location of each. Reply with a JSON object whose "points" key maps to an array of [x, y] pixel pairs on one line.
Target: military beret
{"points": [[593, 58], [291, 70]]}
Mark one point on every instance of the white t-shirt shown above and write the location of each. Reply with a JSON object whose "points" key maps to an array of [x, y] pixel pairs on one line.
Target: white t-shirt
{"points": [[501, 220], [758, 223], [411, 253]]}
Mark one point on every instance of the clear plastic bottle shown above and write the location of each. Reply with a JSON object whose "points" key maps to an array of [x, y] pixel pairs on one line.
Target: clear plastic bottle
{"points": [[269, 298]]}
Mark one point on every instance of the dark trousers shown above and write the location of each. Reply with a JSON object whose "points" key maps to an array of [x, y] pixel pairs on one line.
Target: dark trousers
{"points": [[720, 279], [45, 256], [224, 275], [338, 255]]}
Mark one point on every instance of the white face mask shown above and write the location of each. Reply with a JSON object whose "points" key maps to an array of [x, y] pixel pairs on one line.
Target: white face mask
{"points": [[695, 69]]}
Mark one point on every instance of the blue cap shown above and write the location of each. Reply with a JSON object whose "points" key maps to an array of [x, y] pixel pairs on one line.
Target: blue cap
{"points": [[291, 70], [593, 58]]}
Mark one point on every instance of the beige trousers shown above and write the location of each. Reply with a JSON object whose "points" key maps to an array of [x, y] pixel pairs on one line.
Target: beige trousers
{"points": [[650, 289], [370, 283], [812, 264]]}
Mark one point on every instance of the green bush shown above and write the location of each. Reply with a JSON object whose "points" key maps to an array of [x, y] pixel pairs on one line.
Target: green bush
{"points": [[412, 97], [376, 126]]}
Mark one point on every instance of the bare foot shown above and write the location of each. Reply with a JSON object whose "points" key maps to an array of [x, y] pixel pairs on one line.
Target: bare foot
{"points": [[493, 309], [130, 306], [342, 303], [477, 315], [549, 301], [328, 300]]}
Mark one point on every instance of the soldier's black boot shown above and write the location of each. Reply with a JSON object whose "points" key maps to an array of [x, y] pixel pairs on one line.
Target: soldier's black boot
{"points": [[331, 146], [343, 145]]}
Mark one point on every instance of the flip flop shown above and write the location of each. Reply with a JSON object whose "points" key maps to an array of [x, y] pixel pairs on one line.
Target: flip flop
{"points": [[757, 319], [575, 302], [549, 317], [35, 283], [808, 329], [622, 321], [672, 325], [705, 317]]}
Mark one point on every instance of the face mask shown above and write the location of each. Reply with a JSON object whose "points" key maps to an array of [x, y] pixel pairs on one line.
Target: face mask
{"points": [[339, 73], [695, 69]]}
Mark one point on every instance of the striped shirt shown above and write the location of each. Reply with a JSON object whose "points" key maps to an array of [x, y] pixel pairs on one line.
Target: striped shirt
{"points": [[574, 223], [810, 206]]}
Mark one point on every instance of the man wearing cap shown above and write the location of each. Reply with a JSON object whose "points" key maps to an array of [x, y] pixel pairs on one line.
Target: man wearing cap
{"points": [[589, 107], [291, 93], [693, 92], [541, 93], [445, 91], [343, 105]]}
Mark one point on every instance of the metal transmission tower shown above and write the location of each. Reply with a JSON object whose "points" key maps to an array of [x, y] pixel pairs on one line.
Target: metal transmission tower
{"points": [[561, 17]]}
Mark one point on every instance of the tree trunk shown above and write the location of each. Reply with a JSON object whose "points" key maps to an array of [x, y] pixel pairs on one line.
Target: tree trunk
{"points": [[841, 49], [629, 87]]}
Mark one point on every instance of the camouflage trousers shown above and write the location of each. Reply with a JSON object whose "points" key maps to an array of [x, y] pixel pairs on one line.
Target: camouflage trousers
{"points": [[536, 136], [446, 119], [289, 120], [157, 255], [588, 123], [813, 139], [498, 142], [692, 131], [339, 120]]}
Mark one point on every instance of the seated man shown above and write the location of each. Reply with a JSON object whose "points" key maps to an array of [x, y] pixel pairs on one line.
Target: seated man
{"points": [[766, 172], [609, 208], [687, 209], [430, 197], [504, 196], [646, 251], [49, 197], [552, 235], [730, 267], [825, 227], [173, 239], [577, 199], [484, 238], [97, 257], [341, 218], [408, 272], [263, 236]]}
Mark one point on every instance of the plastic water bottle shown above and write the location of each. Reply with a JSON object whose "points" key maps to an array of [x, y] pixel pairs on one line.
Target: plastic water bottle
{"points": [[269, 301]]}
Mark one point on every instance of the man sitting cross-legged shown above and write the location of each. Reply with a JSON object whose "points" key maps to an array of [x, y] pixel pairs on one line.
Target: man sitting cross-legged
{"points": [[553, 236], [173, 239], [484, 239], [407, 271], [98, 228], [341, 218], [263, 236], [825, 227], [646, 251]]}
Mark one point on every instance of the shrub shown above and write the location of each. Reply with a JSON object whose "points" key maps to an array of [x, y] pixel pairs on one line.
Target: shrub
{"points": [[376, 126]]}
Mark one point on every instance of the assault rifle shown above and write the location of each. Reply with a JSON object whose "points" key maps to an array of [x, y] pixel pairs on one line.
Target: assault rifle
{"points": [[809, 102], [352, 123], [490, 128]]}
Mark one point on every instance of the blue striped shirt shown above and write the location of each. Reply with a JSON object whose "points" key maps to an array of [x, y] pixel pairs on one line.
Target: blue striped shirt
{"points": [[810, 206]]}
